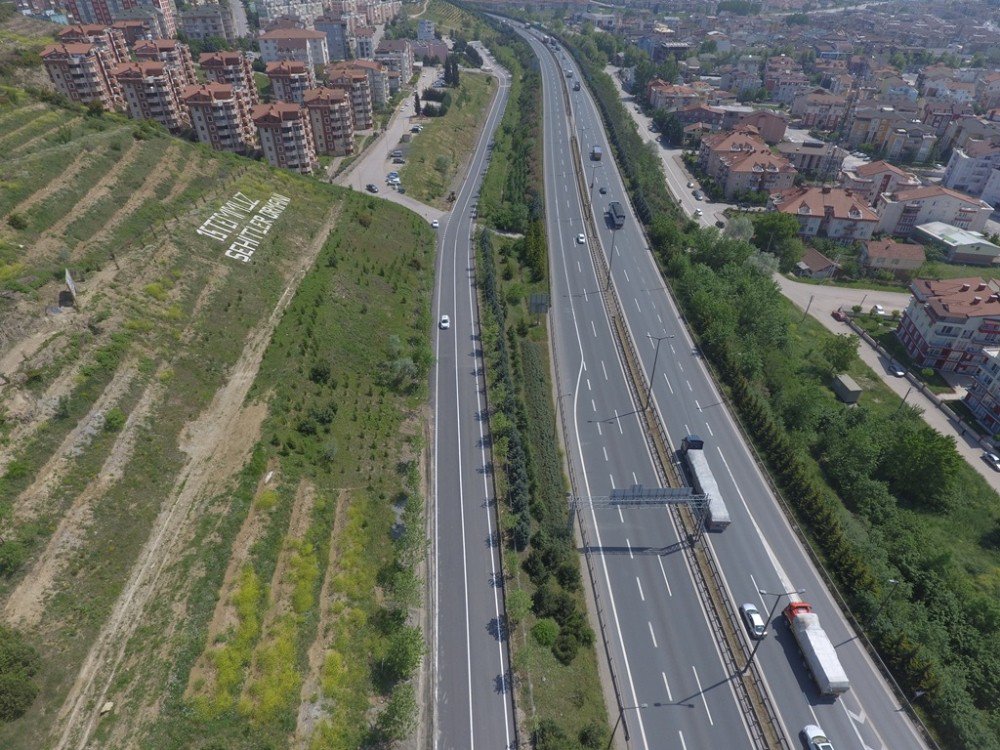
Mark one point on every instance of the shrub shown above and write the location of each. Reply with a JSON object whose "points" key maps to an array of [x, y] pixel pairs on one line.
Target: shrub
{"points": [[17, 221], [114, 420], [545, 631], [19, 662]]}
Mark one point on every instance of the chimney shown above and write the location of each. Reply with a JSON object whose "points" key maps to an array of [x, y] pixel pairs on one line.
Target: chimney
{"points": [[977, 299], [994, 297], [980, 286], [964, 288], [826, 189]]}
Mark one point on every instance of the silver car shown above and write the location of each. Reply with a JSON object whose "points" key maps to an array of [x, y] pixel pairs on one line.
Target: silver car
{"points": [[752, 620], [815, 739]]}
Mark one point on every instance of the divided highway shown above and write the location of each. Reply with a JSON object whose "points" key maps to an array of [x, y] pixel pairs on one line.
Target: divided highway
{"points": [[656, 624], [472, 702]]}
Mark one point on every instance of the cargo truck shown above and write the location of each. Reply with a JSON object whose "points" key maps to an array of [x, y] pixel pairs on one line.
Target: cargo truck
{"points": [[596, 153], [692, 449], [821, 656], [617, 214]]}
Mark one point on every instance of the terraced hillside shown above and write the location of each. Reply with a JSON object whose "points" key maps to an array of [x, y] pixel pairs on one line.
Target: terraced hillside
{"points": [[210, 465]]}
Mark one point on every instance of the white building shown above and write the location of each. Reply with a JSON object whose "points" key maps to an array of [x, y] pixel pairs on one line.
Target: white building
{"points": [[975, 169], [901, 212], [305, 45], [959, 245]]}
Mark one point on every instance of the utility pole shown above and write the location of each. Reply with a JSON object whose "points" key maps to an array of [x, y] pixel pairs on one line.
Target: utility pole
{"points": [[621, 713], [885, 601], [901, 403], [611, 259]]}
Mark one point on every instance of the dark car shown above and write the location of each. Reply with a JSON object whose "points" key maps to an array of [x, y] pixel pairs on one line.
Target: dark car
{"points": [[371, 188], [603, 190]]}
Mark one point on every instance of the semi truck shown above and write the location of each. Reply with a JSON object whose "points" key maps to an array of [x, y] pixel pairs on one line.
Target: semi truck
{"points": [[700, 473], [617, 214], [821, 656], [596, 153]]}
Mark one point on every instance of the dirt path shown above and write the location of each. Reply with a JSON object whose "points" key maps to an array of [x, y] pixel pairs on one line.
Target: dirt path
{"points": [[140, 196], [51, 188], [206, 441], [26, 146], [11, 135], [26, 603], [52, 237], [311, 707], [32, 502]]}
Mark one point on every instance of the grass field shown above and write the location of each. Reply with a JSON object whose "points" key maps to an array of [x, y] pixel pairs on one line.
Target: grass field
{"points": [[446, 142], [193, 417]]}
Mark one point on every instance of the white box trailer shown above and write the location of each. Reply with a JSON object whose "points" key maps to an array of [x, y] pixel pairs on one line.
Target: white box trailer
{"points": [[821, 655], [692, 449]]}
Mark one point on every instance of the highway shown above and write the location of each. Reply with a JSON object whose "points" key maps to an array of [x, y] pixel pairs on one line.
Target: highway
{"points": [[472, 703], [664, 652], [759, 550]]}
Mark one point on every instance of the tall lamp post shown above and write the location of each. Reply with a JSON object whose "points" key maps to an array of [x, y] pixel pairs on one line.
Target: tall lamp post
{"points": [[885, 601], [770, 618], [611, 255], [621, 714], [656, 356]]}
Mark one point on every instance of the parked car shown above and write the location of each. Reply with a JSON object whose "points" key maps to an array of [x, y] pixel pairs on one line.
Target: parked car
{"points": [[698, 212], [753, 621], [371, 188], [435, 223], [897, 369], [698, 195], [992, 459], [690, 184], [839, 315], [815, 739], [398, 160], [878, 310]]}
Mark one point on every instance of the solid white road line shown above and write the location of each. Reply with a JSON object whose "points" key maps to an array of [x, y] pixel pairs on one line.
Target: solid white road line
{"points": [[663, 571]]}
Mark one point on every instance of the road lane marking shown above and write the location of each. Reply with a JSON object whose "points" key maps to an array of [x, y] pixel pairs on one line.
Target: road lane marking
{"points": [[588, 385], [697, 404], [703, 698], [668, 384], [599, 432], [652, 634], [659, 318], [666, 684], [634, 480], [593, 328], [672, 350], [663, 572], [637, 307], [625, 271], [683, 743], [639, 584], [593, 405], [629, 545], [619, 423], [612, 478], [689, 386], [620, 516], [709, 429], [605, 452], [579, 268], [687, 430], [680, 367], [605, 370]]}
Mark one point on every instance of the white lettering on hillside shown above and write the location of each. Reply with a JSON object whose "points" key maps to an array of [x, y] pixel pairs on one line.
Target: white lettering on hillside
{"points": [[237, 217]]}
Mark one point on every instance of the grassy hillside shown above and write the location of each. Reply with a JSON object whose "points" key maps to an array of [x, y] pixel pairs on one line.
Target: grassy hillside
{"points": [[204, 465]]}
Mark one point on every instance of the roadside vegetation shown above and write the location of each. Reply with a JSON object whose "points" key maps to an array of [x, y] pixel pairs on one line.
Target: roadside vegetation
{"points": [[881, 495]]}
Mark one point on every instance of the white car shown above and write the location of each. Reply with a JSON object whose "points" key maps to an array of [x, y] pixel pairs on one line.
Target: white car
{"points": [[698, 212], [815, 739], [580, 239], [690, 184], [753, 621], [435, 223], [992, 459], [445, 323]]}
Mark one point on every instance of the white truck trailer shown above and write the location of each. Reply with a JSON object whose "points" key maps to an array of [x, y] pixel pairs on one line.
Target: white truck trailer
{"points": [[821, 656], [692, 449]]}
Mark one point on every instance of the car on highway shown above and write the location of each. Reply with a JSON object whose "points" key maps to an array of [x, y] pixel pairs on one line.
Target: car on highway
{"points": [[992, 459], [602, 190], [698, 212], [445, 323], [371, 188], [753, 621], [580, 239], [435, 223], [815, 739]]}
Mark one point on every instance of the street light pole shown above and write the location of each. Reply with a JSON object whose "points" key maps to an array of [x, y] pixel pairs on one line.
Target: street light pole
{"points": [[901, 403], [621, 713], [885, 601], [611, 259], [770, 617], [656, 356]]}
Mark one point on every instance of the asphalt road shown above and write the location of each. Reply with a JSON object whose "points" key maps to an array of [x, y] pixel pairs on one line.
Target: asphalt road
{"points": [[759, 549], [663, 651], [472, 701]]}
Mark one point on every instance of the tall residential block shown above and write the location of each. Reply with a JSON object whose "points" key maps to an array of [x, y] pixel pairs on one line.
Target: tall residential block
{"points": [[285, 136], [220, 116], [152, 92], [175, 55], [305, 45], [108, 38], [331, 119], [232, 68], [82, 73], [289, 80], [354, 82]]}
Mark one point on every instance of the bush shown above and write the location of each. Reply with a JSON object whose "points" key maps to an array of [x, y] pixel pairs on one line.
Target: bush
{"points": [[19, 662], [17, 221], [545, 631], [114, 420]]}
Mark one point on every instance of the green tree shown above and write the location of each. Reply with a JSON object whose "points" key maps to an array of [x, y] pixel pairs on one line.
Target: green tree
{"points": [[416, 103], [19, 663], [921, 465], [739, 228], [399, 717], [403, 656], [840, 350], [772, 227]]}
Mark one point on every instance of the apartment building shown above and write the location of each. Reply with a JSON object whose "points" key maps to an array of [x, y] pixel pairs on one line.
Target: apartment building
{"points": [[175, 55], [133, 29], [821, 161], [232, 68], [899, 258], [949, 322], [975, 169], [161, 14], [108, 38], [983, 392], [364, 43], [209, 20], [289, 80], [82, 73], [285, 136], [834, 213], [820, 110], [670, 97], [425, 31], [397, 55], [331, 120], [902, 211], [434, 51], [151, 91], [339, 30], [379, 78], [771, 127], [741, 162], [220, 115], [305, 45], [877, 177], [305, 10], [354, 82], [959, 245]]}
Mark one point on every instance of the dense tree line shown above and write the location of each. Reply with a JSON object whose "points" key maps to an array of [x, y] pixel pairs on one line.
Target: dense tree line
{"points": [[18, 664]]}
